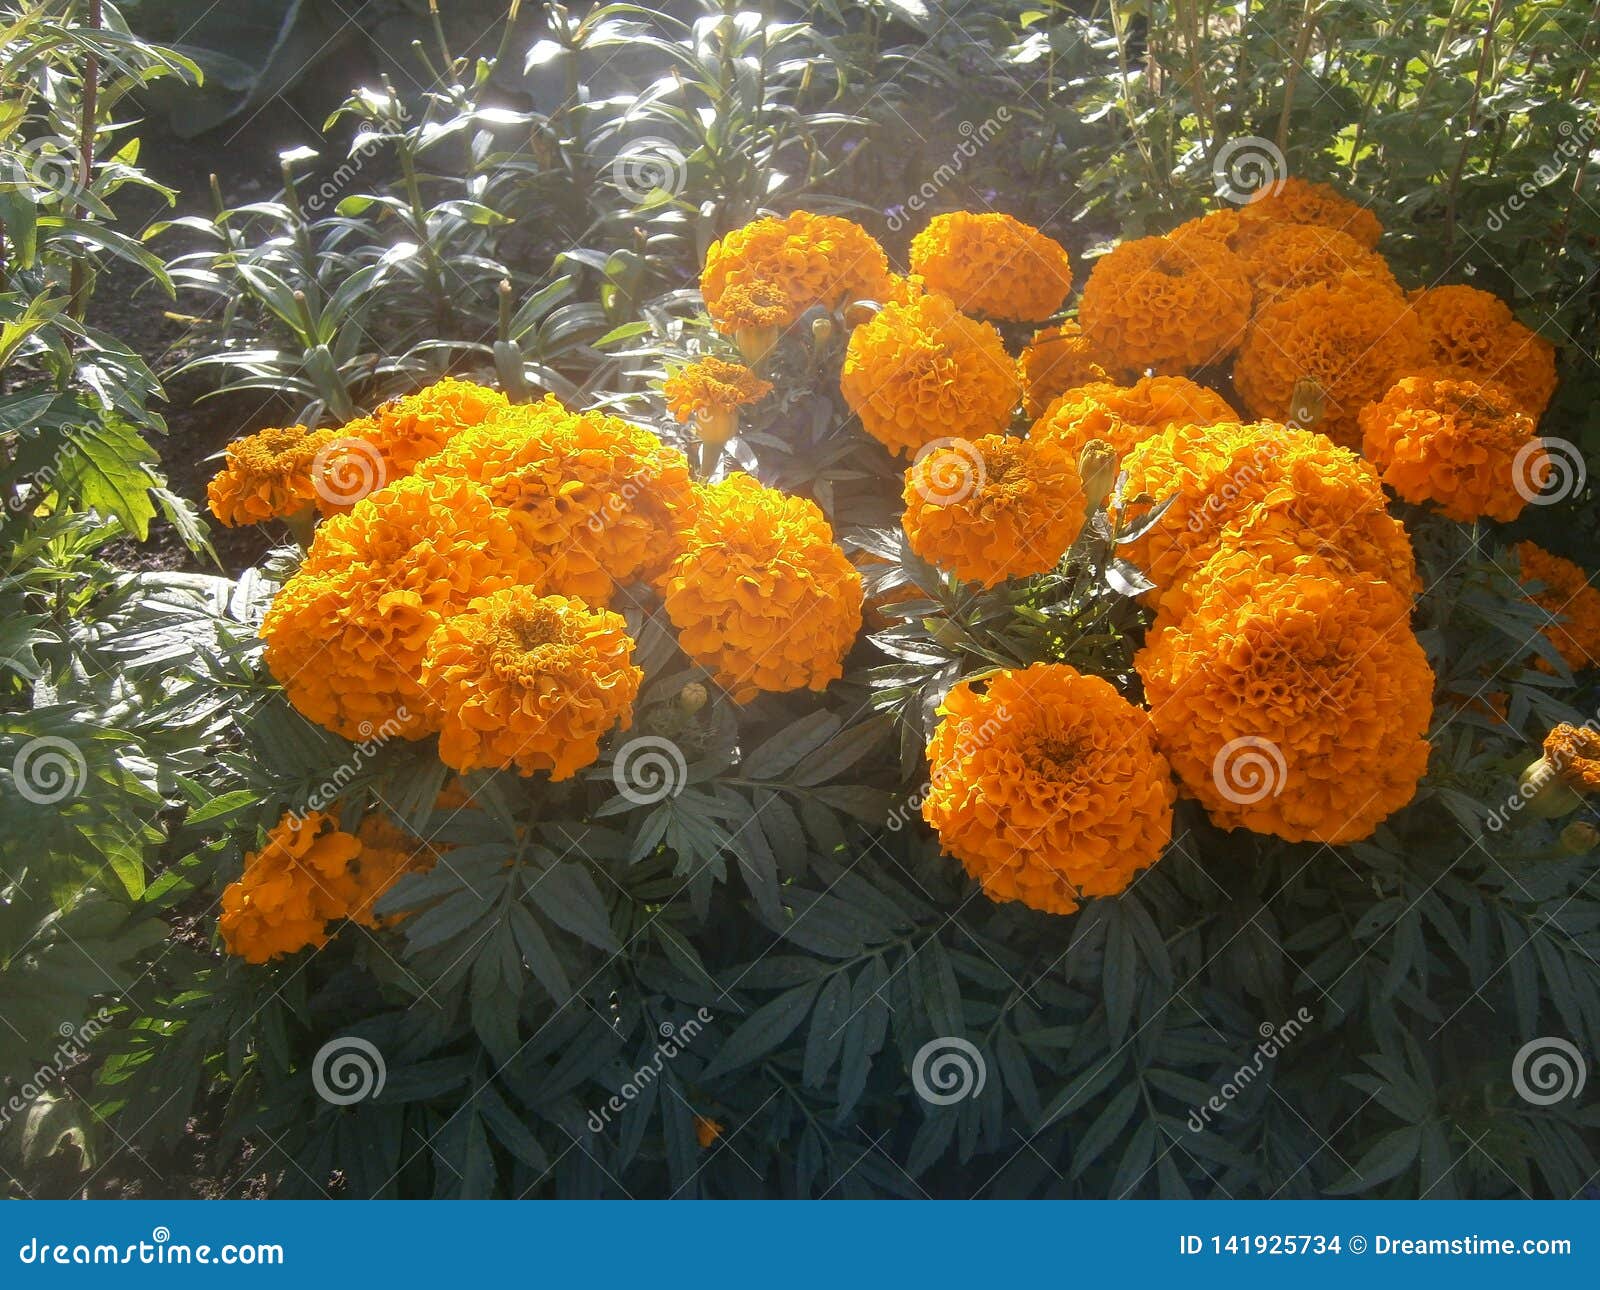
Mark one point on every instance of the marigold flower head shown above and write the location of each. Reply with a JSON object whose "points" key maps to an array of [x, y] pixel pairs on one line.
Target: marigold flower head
{"points": [[810, 259], [761, 595], [1125, 416], [1474, 329], [1268, 482], [1058, 359], [594, 499], [268, 475], [1573, 753], [1047, 785], [994, 508], [1299, 709], [1353, 338], [308, 875], [344, 636], [1299, 201], [711, 390], [923, 370], [369, 452], [992, 265], [529, 681], [1163, 302], [1570, 602], [1282, 258], [1458, 444]]}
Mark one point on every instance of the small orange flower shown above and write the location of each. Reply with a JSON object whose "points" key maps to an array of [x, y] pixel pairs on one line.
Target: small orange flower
{"points": [[268, 475], [992, 265], [771, 271], [706, 1130], [760, 594], [1125, 416], [1177, 303], [1469, 328], [1457, 444], [1295, 705], [993, 509], [1299, 201], [529, 681], [1573, 752], [711, 390], [1352, 338], [1058, 359], [1047, 786], [922, 371], [1570, 602]]}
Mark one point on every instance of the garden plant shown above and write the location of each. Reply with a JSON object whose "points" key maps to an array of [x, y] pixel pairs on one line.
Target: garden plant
{"points": [[784, 600]]}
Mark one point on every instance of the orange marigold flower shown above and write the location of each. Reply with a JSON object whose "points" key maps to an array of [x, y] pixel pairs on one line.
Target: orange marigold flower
{"points": [[761, 596], [1264, 481], [993, 509], [923, 370], [712, 390], [1299, 201], [992, 265], [1573, 753], [344, 636], [1165, 302], [1124, 416], [1285, 257], [1571, 605], [1353, 338], [706, 1130], [1047, 786], [268, 475], [529, 681], [1460, 445], [1058, 359], [1292, 705], [1469, 328], [291, 889], [810, 259], [595, 499]]}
